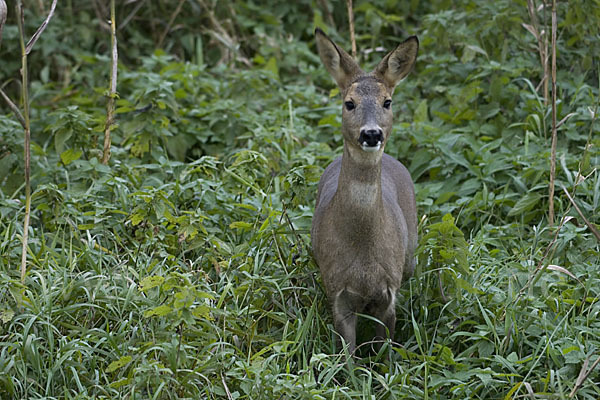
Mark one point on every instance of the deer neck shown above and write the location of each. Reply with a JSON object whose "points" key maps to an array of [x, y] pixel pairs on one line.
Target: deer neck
{"points": [[358, 197]]}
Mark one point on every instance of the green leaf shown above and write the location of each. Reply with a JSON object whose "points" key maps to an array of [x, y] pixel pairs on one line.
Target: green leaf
{"points": [[159, 311], [445, 354], [150, 282], [136, 219], [121, 382], [120, 363], [6, 316], [202, 312], [60, 138], [331, 119], [444, 197], [526, 203], [183, 299], [241, 225], [70, 155], [271, 66], [85, 227], [463, 284], [447, 254], [421, 114]]}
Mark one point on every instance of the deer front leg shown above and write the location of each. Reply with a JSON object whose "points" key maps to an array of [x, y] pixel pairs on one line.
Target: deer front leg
{"points": [[386, 313], [344, 316]]}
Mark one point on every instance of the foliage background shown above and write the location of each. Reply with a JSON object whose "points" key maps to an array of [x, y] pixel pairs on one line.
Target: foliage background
{"points": [[182, 269]]}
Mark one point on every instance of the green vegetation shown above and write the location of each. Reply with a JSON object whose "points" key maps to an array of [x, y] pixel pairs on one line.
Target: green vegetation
{"points": [[182, 268]]}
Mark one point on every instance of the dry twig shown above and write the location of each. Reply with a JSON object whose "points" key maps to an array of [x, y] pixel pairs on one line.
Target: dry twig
{"points": [[583, 374], [221, 35], [328, 14], [13, 107], [351, 23], [588, 223], [3, 12], [100, 11], [24, 119], [554, 134], [170, 23], [229, 396], [27, 145], [110, 105], [41, 29], [132, 14], [542, 40]]}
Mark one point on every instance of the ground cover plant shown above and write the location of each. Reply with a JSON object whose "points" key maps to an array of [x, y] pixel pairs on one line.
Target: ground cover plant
{"points": [[182, 267]]}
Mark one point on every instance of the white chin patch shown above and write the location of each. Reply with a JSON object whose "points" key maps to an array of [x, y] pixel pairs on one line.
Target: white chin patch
{"points": [[371, 149]]}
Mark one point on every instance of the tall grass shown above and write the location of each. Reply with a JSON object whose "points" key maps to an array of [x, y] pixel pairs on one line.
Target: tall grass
{"points": [[182, 268]]}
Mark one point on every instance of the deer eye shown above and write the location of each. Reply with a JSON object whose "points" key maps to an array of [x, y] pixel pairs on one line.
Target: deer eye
{"points": [[349, 105], [387, 104]]}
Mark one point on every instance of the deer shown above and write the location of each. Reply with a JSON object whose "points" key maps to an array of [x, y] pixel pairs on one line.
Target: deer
{"points": [[364, 227]]}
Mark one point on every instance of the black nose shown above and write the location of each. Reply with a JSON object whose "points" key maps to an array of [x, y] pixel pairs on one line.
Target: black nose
{"points": [[370, 137]]}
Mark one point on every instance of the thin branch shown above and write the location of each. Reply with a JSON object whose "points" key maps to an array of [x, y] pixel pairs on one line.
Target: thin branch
{"points": [[132, 14], [589, 225], [27, 144], [3, 12], [168, 28], [41, 6], [445, 299], [583, 375], [554, 134], [542, 41], [223, 36], [229, 396], [110, 105], [13, 107], [545, 62], [327, 13], [351, 23], [41, 29], [100, 11], [565, 119], [540, 266]]}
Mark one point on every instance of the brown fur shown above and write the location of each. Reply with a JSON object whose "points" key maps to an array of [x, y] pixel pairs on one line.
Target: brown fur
{"points": [[364, 230]]}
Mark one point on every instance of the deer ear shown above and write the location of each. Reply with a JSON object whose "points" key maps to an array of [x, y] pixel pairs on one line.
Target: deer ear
{"points": [[398, 63], [340, 64]]}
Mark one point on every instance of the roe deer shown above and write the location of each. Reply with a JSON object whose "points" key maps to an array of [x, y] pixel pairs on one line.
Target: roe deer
{"points": [[364, 229]]}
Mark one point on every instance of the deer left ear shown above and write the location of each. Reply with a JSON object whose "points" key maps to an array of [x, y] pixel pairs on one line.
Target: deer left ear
{"points": [[398, 63], [340, 65]]}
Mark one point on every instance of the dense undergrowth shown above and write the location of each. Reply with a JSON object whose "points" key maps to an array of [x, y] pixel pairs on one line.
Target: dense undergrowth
{"points": [[182, 269]]}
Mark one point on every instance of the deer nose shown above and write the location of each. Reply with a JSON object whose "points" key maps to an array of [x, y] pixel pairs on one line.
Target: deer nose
{"points": [[370, 137]]}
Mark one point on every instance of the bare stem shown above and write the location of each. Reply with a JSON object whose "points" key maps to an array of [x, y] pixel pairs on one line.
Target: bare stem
{"points": [[13, 107], [27, 153], [229, 42], [110, 105], [542, 41], [583, 375], [3, 12], [132, 14], [168, 28], [328, 14], [545, 60], [351, 23], [589, 225], [41, 29], [554, 134]]}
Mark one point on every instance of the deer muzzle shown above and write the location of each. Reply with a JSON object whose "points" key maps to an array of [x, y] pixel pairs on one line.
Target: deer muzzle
{"points": [[371, 139]]}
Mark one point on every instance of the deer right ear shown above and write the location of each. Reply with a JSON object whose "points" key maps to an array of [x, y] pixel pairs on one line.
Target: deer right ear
{"points": [[398, 63], [340, 64]]}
